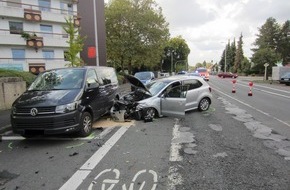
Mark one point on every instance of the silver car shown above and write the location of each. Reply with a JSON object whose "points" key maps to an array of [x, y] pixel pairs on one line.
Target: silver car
{"points": [[171, 96]]}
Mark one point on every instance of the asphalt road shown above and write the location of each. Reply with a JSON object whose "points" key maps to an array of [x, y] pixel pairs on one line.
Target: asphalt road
{"points": [[241, 142]]}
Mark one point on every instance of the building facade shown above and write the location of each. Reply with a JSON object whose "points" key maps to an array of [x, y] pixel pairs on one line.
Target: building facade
{"points": [[32, 36]]}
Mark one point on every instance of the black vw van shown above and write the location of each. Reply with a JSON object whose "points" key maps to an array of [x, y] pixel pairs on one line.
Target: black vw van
{"points": [[65, 100]]}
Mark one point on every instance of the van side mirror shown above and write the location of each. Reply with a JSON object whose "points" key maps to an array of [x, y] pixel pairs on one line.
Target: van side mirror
{"points": [[91, 83]]}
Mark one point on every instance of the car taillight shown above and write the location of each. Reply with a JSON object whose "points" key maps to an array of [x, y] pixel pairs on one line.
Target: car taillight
{"points": [[209, 88]]}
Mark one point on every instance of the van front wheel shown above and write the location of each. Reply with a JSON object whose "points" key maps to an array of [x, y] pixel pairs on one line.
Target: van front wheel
{"points": [[86, 124]]}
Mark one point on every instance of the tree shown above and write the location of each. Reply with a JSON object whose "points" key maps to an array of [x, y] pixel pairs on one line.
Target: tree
{"points": [[284, 42], [239, 57], [180, 51], [136, 33], [267, 46], [76, 43]]}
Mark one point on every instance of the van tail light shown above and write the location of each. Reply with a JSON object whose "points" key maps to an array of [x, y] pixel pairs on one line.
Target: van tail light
{"points": [[209, 88]]}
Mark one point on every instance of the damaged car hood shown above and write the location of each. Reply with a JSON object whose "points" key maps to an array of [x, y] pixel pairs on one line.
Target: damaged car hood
{"points": [[137, 83]]}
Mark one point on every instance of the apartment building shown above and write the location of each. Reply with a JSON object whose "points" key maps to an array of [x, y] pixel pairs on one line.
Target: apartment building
{"points": [[32, 36]]}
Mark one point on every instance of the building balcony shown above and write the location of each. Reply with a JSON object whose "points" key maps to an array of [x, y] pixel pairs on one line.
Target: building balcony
{"points": [[35, 13], [47, 40]]}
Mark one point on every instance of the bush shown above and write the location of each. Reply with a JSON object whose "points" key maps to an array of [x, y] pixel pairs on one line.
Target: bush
{"points": [[26, 76], [121, 78]]}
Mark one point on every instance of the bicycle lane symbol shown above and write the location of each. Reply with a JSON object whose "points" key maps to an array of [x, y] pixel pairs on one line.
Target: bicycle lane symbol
{"points": [[109, 184]]}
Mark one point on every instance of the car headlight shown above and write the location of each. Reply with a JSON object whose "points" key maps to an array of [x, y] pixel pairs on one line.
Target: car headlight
{"points": [[66, 108]]}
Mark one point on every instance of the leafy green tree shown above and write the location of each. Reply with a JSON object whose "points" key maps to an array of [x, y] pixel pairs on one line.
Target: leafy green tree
{"points": [[226, 57], [178, 48], [284, 42], [245, 66], [136, 33], [262, 56], [239, 57], [266, 43], [76, 43]]}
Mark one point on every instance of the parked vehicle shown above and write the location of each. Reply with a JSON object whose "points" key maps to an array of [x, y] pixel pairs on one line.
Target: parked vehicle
{"points": [[182, 73], [203, 73], [285, 79], [65, 100], [145, 77], [171, 96], [227, 75], [193, 74]]}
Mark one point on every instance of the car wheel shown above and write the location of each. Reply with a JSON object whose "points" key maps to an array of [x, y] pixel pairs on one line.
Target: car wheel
{"points": [[86, 125], [149, 113], [204, 104]]}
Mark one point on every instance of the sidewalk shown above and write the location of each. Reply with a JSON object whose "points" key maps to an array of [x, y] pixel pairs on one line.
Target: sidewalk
{"points": [[5, 114]]}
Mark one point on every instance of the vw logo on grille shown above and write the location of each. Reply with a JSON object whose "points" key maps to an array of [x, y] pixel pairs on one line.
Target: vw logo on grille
{"points": [[33, 111]]}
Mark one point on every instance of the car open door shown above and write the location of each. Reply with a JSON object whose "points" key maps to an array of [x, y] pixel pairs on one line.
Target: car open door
{"points": [[173, 102]]}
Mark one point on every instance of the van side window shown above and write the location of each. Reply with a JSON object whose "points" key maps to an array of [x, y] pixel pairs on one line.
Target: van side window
{"points": [[107, 75], [193, 84], [92, 77]]}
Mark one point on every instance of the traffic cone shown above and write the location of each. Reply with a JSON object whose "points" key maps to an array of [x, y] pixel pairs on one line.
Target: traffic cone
{"points": [[234, 86], [250, 92], [234, 89]]}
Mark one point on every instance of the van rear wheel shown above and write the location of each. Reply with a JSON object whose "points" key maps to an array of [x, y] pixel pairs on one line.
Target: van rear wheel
{"points": [[86, 125]]}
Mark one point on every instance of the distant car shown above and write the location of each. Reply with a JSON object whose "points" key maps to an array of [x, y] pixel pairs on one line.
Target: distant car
{"points": [[145, 76], [170, 96], [182, 73], [196, 74], [227, 75], [285, 79], [203, 72]]}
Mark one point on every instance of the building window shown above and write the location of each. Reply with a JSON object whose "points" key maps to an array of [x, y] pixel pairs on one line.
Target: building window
{"points": [[14, 3], [18, 54], [44, 5], [66, 8], [15, 27], [48, 54], [46, 29]]}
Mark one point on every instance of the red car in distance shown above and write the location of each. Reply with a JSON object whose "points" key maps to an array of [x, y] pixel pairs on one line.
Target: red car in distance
{"points": [[227, 75]]}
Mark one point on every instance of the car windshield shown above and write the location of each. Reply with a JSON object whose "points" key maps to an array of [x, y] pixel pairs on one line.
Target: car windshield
{"points": [[287, 75], [156, 86], [201, 70], [61, 79], [143, 75]]}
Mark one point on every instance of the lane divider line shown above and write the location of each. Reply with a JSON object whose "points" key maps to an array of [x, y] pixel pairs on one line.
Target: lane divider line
{"points": [[254, 108], [81, 174]]}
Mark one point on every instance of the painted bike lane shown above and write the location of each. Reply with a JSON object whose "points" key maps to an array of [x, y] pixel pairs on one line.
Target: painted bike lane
{"points": [[135, 157]]}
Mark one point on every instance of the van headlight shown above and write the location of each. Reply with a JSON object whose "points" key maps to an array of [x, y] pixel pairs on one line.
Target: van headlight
{"points": [[66, 108]]}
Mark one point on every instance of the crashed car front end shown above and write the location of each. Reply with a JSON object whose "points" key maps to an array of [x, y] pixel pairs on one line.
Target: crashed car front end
{"points": [[130, 106]]}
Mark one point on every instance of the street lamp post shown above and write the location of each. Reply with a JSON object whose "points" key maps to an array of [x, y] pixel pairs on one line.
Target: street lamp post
{"points": [[226, 59], [180, 61]]}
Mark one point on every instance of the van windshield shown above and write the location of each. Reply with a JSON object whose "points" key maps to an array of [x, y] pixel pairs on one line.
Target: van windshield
{"points": [[61, 79]]}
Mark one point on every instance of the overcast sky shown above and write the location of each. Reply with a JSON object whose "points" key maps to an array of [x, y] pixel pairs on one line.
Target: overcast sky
{"points": [[207, 25]]}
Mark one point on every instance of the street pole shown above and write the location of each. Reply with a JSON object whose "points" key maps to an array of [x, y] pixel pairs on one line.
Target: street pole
{"points": [[171, 69], [226, 59]]}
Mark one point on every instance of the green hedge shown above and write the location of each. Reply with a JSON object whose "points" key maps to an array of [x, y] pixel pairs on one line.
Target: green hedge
{"points": [[26, 76]]}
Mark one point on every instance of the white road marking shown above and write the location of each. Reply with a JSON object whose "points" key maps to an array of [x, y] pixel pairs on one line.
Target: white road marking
{"points": [[175, 147], [273, 93], [254, 108], [92, 162], [100, 136]]}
